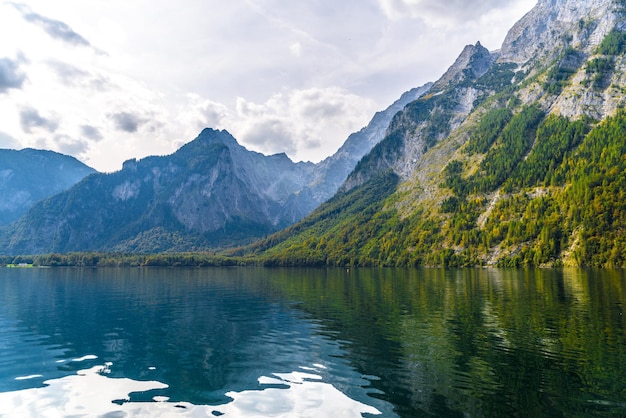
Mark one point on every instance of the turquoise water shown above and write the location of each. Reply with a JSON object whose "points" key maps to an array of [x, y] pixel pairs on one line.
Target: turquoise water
{"points": [[312, 342]]}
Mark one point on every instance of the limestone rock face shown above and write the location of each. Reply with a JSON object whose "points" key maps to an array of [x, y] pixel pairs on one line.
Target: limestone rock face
{"points": [[551, 23], [474, 61]]}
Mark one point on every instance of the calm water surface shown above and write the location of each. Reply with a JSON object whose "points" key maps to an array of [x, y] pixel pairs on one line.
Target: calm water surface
{"points": [[303, 342]]}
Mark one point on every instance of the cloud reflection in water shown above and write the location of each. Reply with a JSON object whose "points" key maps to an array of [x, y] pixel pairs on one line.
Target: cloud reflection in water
{"points": [[91, 393]]}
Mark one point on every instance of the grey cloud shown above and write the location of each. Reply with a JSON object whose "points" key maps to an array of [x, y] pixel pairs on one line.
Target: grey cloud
{"points": [[30, 118], [68, 74], [54, 28], [320, 110], [7, 141], [463, 9], [11, 77], [69, 145], [73, 76], [452, 10], [213, 114], [91, 132], [126, 122], [271, 135]]}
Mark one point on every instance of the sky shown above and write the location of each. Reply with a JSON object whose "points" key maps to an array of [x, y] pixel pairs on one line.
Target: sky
{"points": [[110, 80]]}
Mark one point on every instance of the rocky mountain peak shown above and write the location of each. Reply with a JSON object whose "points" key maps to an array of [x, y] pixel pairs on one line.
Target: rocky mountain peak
{"points": [[552, 23], [212, 136], [474, 61]]}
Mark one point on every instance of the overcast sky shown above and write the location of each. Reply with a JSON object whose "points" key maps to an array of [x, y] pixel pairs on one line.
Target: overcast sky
{"points": [[109, 80]]}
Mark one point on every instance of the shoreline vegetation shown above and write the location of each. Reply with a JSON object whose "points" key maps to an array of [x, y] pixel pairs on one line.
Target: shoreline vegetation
{"points": [[204, 259], [103, 259]]}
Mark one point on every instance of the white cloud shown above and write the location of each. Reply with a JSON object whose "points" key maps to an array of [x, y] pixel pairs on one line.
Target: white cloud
{"points": [[446, 14], [307, 124], [296, 49], [281, 76]]}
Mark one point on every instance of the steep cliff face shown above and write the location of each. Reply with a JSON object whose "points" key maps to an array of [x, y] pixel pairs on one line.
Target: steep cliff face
{"points": [[554, 23], [29, 175], [474, 61], [513, 158], [560, 42]]}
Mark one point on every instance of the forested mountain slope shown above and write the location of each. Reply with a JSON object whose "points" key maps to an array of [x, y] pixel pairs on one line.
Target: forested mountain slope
{"points": [[516, 157]]}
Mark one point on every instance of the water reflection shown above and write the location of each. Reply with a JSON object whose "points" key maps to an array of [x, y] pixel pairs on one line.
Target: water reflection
{"points": [[481, 342], [91, 393], [477, 342]]}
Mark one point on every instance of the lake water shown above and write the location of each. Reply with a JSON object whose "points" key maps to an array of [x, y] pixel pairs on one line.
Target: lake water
{"points": [[244, 342]]}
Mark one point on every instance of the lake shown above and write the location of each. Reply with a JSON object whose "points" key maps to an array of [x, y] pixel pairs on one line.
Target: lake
{"points": [[241, 342]]}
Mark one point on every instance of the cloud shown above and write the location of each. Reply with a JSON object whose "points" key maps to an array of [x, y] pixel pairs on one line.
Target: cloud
{"points": [[272, 135], [67, 73], [296, 49], [72, 76], [307, 124], [54, 28], [64, 144], [126, 122], [11, 77], [209, 113], [68, 145], [7, 141], [31, 119], [440, 13], [91, 132]]}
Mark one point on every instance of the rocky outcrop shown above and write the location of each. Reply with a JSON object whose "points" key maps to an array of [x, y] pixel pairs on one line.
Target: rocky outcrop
{"points": [[554, 23], [474, 61]]}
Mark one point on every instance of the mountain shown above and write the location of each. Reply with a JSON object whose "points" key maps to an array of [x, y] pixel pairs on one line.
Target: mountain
{"points": [[28, 175], [330, 173], [211, 193], [514, 157]]}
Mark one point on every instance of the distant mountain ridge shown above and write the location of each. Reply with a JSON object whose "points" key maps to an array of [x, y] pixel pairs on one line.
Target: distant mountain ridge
{"points": [[28, 176], [209, 192]]}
